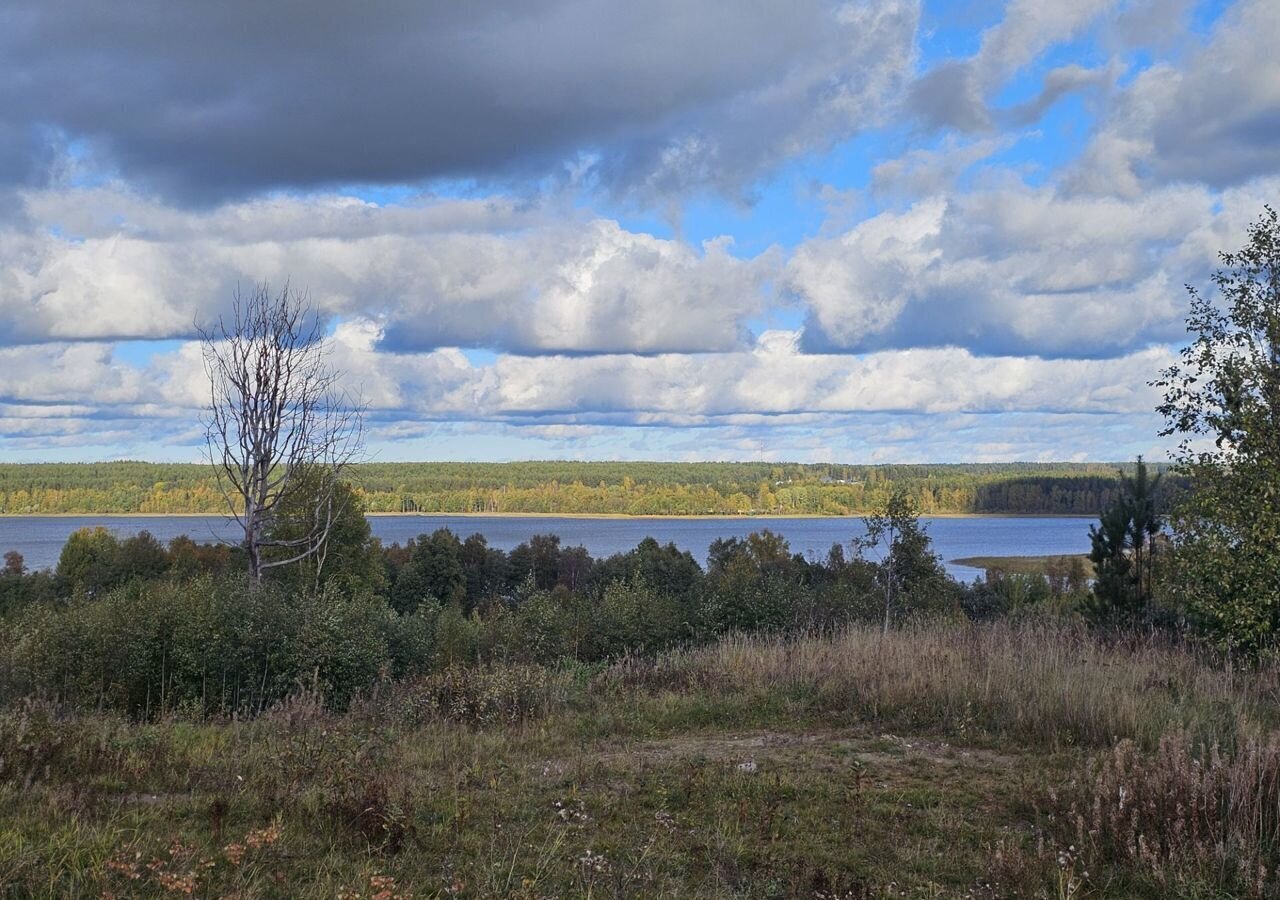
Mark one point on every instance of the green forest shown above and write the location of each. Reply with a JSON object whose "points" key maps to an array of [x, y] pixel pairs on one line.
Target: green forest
{"points": [[609, 488]]}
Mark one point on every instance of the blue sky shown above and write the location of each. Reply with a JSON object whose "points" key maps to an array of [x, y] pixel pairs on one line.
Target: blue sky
{"points": [[812, 230]]}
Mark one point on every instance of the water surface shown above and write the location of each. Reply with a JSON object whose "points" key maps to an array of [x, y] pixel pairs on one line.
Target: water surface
{"points": [[40, 538]]}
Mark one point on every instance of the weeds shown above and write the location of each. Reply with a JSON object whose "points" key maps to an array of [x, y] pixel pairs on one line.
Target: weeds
{"points": [[499, 695], [1184, 814]]}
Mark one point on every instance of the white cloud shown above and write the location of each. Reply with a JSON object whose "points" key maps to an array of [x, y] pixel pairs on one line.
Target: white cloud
{"points": [[1213, 117], [774, 377], [1017, 269], [103, 264]]}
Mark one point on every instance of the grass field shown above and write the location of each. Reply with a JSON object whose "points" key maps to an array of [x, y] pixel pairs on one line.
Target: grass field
{"points": [[939, 761]]}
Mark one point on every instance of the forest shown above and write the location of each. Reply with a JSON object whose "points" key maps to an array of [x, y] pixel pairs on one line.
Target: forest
{"points": [[605, 488]]}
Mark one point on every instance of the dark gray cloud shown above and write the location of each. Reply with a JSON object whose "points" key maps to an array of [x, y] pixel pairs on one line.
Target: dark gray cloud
{"points": [[950, 96], [1210, 116], [957, 93], [215, 99], [1221, 121]]}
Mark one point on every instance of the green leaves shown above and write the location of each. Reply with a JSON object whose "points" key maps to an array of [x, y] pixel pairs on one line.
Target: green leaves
{"points": [[1224, 400]]}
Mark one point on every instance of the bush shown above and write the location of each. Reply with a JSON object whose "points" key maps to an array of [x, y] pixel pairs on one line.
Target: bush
{"points": [[542, 628], [633, 617], [411, 642], [765, 603], [457, 636], [207, 645], [1184, 817], [481, 696]]}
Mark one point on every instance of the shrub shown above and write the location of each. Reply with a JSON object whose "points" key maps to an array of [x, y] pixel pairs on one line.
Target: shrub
{"points": [[632, 617], [542, 628], [481, 696], [764, 603], [457, 636], [1183, 816], [411, 641], [214, 646]]}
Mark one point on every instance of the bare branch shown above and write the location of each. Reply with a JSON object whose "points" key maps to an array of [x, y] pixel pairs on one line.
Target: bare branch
{"points": [[276, 415]]}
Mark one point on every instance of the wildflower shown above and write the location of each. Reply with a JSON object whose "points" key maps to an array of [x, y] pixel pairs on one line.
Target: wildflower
{"points": [[594, 863]]}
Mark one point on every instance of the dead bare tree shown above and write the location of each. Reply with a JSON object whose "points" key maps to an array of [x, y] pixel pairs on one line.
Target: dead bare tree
{"points": [[277, 423]]}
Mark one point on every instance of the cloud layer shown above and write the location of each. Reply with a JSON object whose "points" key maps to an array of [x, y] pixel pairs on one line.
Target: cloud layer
{"points": [[207, 100], [579, 227], [1019, 270]]}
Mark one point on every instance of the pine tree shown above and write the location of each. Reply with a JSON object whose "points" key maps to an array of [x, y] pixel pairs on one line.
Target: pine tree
{"points": [[1123, 550]]}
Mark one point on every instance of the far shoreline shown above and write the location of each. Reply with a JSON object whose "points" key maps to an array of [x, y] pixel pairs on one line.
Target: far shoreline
{"points": [[556, 515]]}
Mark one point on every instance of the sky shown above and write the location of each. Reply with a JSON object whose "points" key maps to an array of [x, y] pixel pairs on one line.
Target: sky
{"points": [[793, 230]]}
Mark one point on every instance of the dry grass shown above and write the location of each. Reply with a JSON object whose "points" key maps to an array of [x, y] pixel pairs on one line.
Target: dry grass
{"points": [[1052, 685], [1184, 814], [1026, 565]]}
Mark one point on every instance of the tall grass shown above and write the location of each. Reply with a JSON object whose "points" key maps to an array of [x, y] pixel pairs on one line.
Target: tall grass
{"points": [[1180, 791], [1184, 814], [1052, 685]]}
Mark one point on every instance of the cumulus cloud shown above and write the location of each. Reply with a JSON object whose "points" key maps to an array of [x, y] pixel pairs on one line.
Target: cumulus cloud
{"points": [[1213, 117], [103, 264], [770, 401], [154, 157], [773, 377], [776, 378], [69, 374], [595, 288], [210, 100], [1018, 270]]}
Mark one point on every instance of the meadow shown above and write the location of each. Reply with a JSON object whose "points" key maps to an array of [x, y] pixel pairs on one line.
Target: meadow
{"points": [[1007, 759]]}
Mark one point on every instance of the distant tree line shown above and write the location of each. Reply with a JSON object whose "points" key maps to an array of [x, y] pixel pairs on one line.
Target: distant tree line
{"points": [[566, 488]]}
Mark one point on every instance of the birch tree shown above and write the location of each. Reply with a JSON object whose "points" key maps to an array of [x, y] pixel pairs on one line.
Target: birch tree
{"points": [[279, 430], [1223, 400]]}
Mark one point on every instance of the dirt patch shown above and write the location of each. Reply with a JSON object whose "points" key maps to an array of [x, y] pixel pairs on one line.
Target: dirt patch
{"points": [[845, 748]]}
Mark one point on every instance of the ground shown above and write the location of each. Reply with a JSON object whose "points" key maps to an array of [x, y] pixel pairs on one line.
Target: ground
{"points": [[930, 763]]}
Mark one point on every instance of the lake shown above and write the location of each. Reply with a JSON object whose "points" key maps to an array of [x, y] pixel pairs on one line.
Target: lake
{"points": [[40, 538]]}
